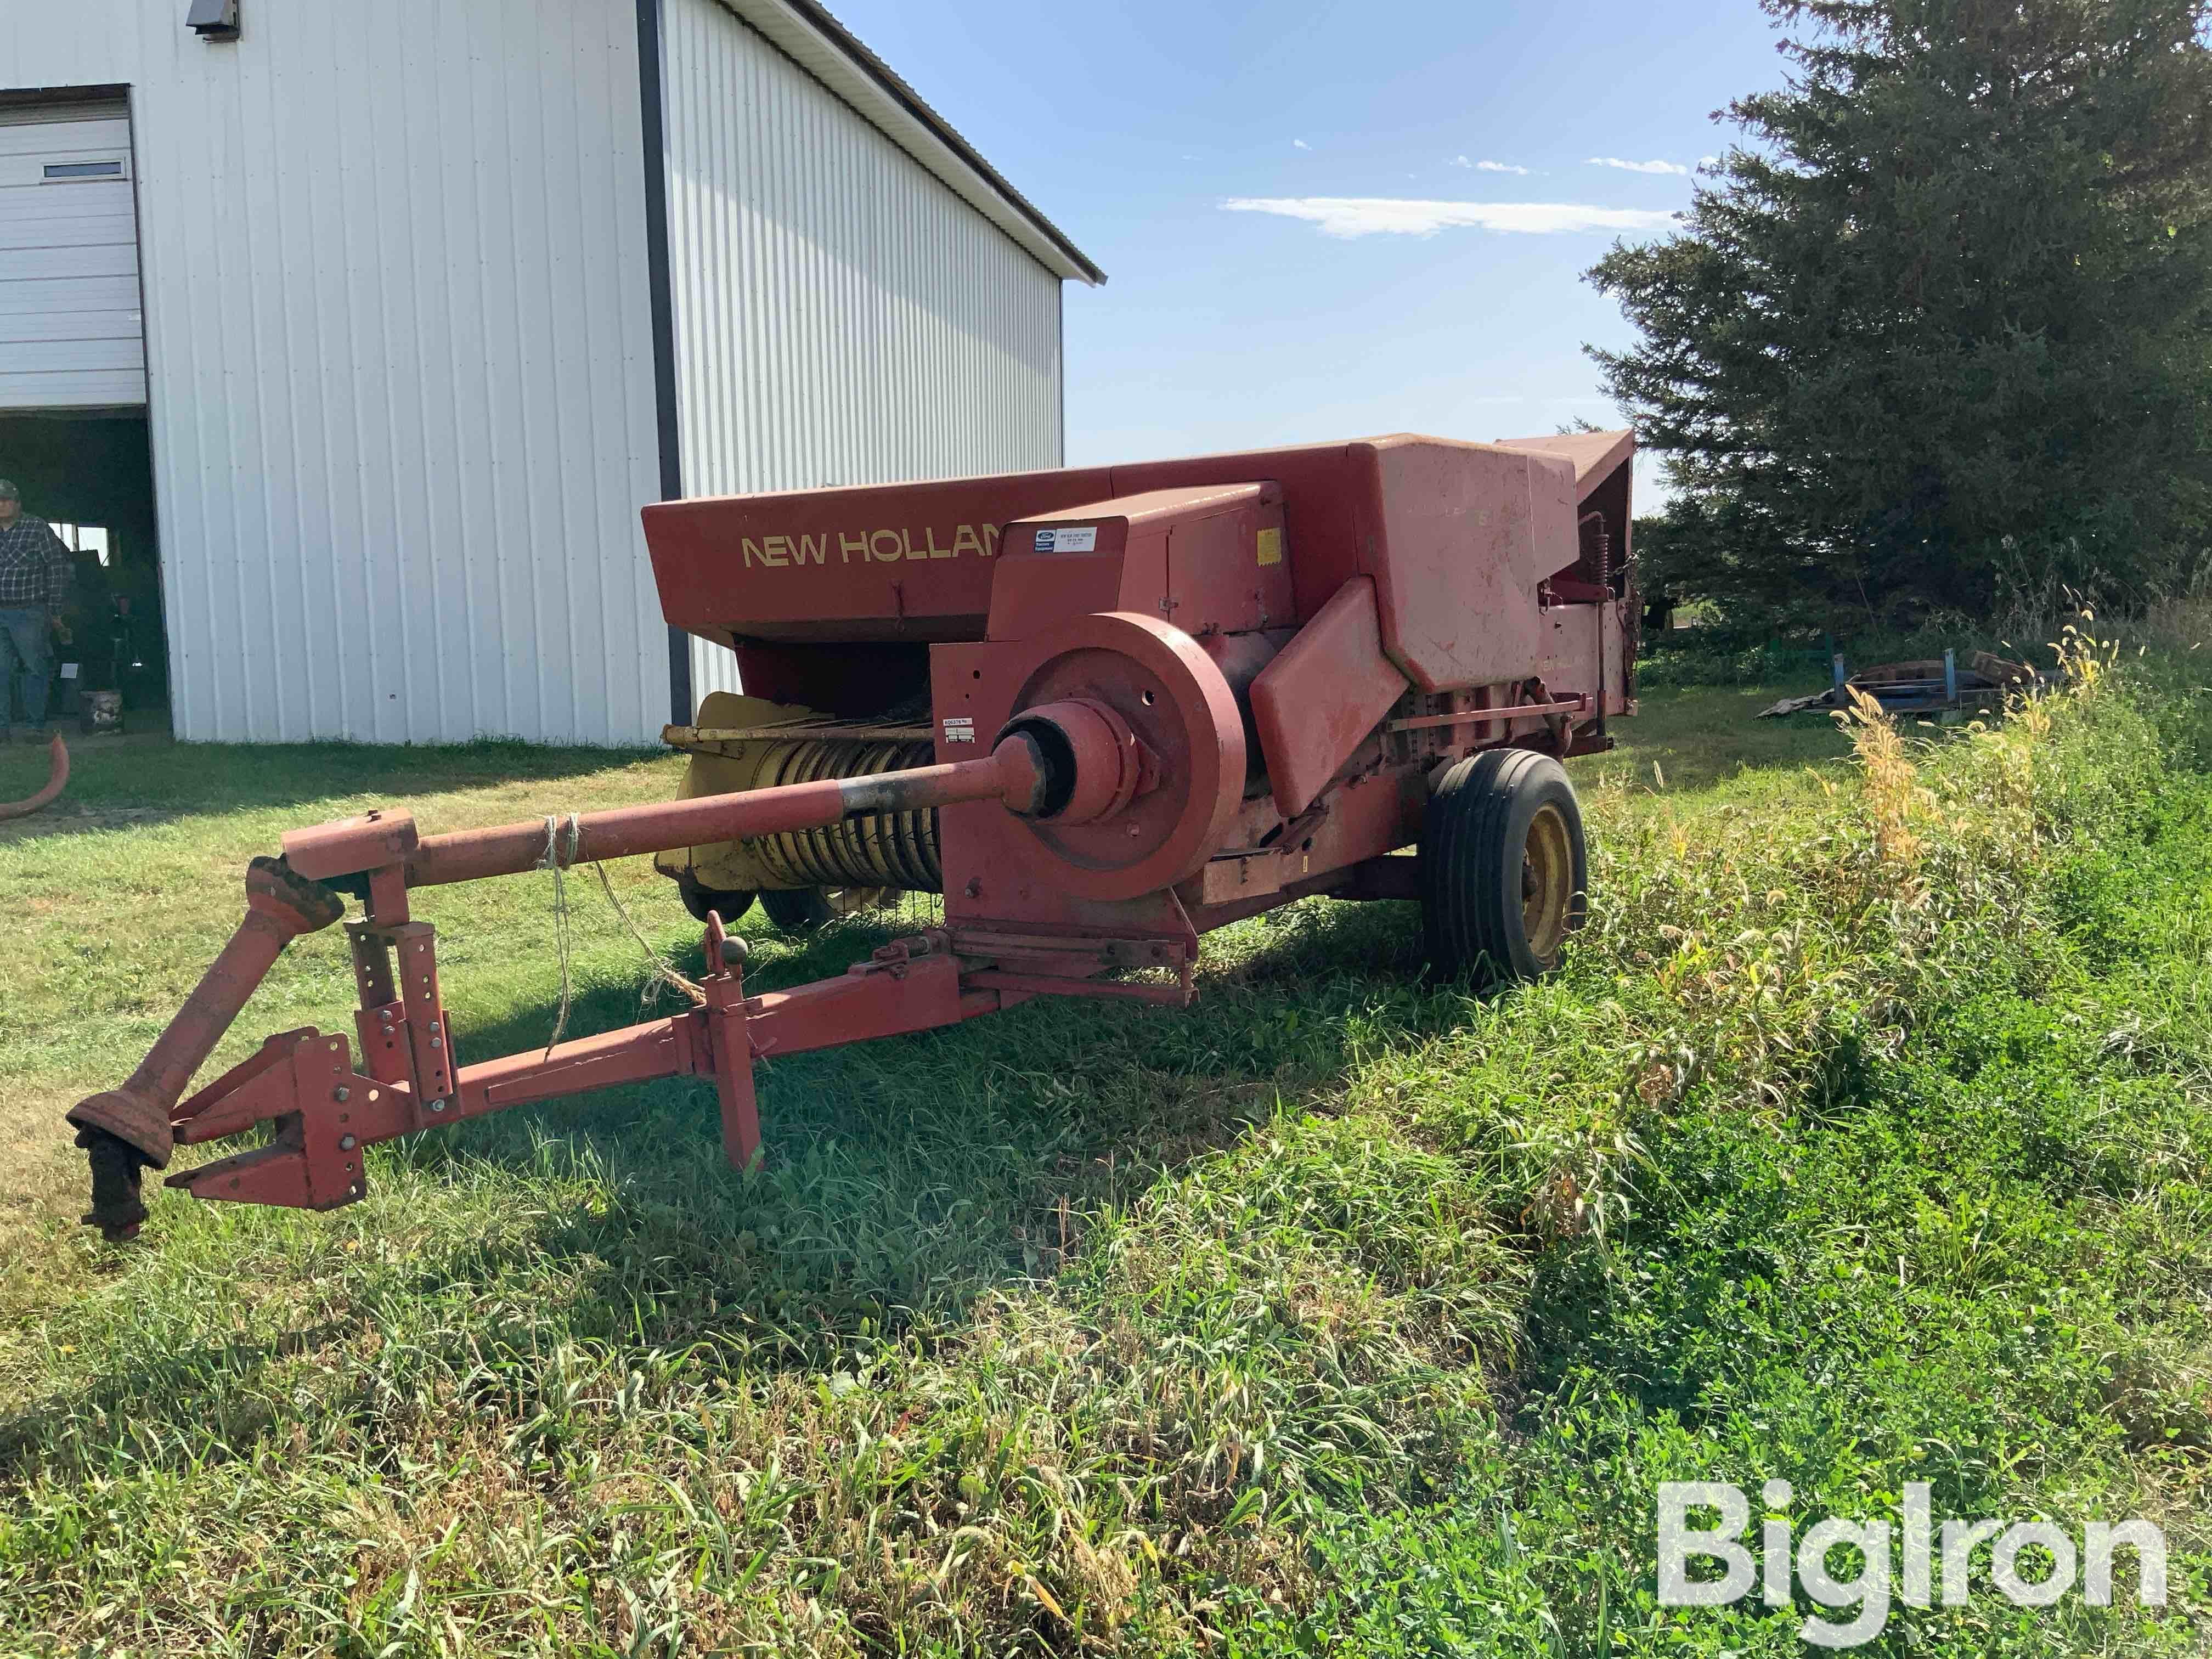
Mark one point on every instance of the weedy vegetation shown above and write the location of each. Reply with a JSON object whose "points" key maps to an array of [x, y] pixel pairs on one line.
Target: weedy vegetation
{"points": [[1864, 1140]]}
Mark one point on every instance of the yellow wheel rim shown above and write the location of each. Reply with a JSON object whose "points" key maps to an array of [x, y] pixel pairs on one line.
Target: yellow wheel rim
{"points": [[1548, 884]]}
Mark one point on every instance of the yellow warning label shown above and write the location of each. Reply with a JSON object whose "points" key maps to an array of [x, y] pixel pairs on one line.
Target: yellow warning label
{"points": [[1271, 547]]}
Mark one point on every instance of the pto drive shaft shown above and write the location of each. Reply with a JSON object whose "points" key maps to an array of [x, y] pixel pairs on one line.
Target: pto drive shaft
{"points": [[1014, 773]]}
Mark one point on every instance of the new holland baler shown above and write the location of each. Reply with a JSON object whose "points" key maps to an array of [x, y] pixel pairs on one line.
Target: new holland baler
{"points": [[1102, 711]]}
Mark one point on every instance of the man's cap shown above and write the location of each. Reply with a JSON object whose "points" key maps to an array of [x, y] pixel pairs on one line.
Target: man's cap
{"points": [[8, 492]]}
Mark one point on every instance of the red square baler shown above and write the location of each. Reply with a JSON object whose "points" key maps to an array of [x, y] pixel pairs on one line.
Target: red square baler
{"points": [[1102, 711]]}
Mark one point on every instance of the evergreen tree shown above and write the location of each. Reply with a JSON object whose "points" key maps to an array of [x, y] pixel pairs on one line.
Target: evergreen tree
{"points": [[1941, 324]]}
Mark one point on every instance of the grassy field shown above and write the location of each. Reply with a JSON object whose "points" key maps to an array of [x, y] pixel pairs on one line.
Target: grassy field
{"points": [[1864, 1140]]}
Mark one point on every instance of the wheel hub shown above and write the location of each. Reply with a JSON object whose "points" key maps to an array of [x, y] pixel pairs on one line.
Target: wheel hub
{"points": [[1547, 880]]}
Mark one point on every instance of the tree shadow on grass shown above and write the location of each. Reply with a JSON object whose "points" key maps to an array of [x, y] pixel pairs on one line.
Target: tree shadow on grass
{"points": [[903, 1179], [1703, 738]]}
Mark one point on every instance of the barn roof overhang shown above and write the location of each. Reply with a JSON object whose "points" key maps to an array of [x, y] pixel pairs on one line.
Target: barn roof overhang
{"points": [[827, 50]]}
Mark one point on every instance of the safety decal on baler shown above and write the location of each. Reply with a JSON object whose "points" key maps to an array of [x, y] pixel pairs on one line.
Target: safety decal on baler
{"points": [[1271, 546], [959, 728], [1085, 540]]}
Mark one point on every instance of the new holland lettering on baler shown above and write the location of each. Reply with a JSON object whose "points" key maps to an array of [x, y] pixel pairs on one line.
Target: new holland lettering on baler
{"points": [[1102, 711]]}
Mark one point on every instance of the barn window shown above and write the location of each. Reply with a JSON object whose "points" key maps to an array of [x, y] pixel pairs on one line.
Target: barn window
{"points": [[57, 171]]}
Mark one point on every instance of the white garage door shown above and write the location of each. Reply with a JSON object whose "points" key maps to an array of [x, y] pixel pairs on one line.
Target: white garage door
{"points": [[70, 334]]}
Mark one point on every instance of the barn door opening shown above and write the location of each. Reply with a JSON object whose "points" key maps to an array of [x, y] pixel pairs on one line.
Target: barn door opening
{"points": [[73, 390], [92, 476]]}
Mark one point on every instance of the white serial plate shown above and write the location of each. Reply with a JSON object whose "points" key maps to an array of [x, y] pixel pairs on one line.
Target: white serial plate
{"points": [[1082, 540]]}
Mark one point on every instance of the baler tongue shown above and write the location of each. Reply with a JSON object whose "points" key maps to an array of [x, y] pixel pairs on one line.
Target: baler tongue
{"points": [[1069, 761]]}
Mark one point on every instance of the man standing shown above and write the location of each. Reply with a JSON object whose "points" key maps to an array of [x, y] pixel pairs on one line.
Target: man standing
{"points": [[35, 579]]}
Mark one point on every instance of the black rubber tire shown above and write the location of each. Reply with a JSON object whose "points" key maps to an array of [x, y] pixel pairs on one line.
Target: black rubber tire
{"points": [[1475, 844], [799, 909], [699, 900]]}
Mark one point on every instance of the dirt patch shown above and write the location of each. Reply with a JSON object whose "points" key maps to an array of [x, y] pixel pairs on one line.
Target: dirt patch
{"points": [[38, 1164]]}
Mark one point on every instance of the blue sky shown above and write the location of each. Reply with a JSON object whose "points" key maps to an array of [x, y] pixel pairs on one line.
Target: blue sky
{"points": [[1136, 125]]}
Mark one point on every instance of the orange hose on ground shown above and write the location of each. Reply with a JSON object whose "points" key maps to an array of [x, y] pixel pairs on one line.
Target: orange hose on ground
{"points": [[45, 797]]}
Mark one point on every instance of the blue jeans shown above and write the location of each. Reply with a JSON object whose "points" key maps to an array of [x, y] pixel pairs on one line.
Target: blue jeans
{"points": [[23, 644]]}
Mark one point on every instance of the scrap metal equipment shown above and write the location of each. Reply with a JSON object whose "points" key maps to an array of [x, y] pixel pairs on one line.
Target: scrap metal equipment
{"points": [[1924, 685], [1102, 711]]}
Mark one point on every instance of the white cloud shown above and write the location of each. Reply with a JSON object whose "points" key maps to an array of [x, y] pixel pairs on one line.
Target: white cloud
{"points": [[1300, 143], [1371, 215], [1709, 161], [1500, 167], [1638, 167]]}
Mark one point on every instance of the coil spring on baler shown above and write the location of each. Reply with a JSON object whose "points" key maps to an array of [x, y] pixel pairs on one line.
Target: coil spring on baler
{"points": [[892, 849]]}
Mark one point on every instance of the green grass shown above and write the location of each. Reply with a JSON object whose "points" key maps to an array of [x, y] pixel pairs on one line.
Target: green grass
{"points": [[1860, 1143]]}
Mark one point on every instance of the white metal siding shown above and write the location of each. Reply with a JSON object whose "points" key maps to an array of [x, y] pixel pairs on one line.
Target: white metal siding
{"points": [[69, 332], [842, 317], [399, 343]]}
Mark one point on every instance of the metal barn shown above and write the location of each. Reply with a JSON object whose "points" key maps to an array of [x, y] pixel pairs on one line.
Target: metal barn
{"points": [[367, 329]]}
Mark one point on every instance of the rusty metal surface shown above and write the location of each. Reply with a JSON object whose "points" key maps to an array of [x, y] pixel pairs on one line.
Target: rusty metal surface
{"points": [[1574, 705], [1595, 456], [280, 907], [894, 561], [1464, 533], [345, 846], [709, 737], [1455, 535], [1170, 696], [1922, 685], [1210, 559], [325, 1113], [1371, 814], [509, 849], [1320, 699]]}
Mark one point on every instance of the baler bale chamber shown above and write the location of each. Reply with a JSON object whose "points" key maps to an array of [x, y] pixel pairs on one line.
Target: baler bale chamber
{"points": [[1101, 711], [1439, 581]]}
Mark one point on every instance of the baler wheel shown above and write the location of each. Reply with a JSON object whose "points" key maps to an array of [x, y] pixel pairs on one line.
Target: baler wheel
{"points": [[799, 909], [1505, 869], [699, 899]]}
